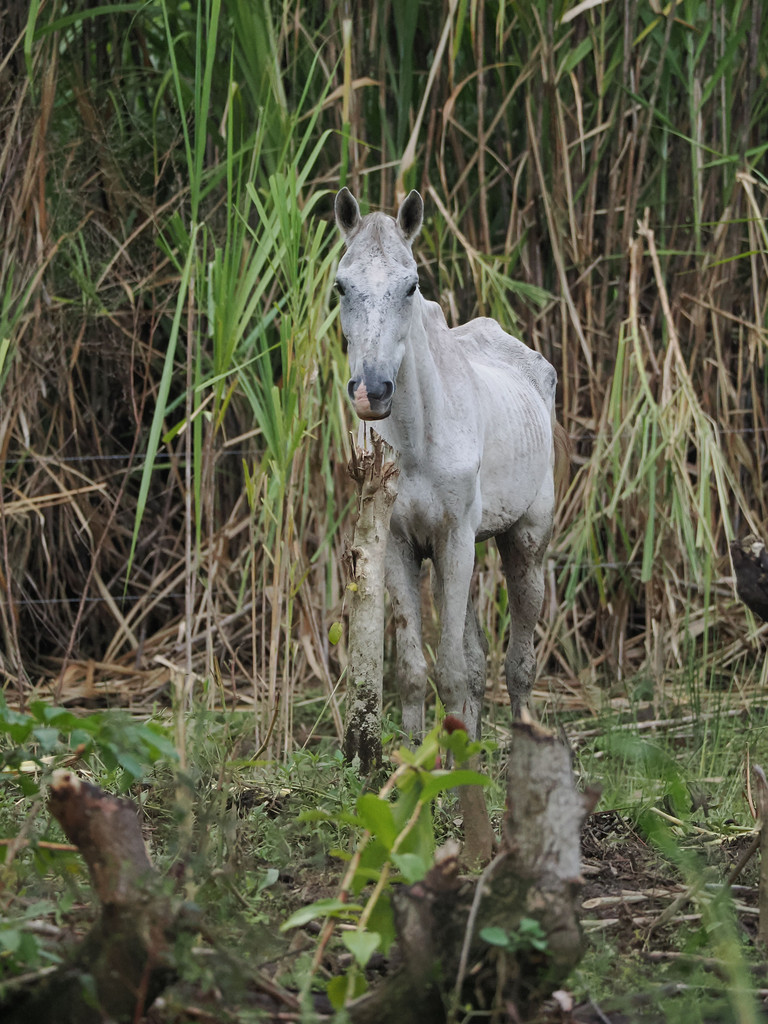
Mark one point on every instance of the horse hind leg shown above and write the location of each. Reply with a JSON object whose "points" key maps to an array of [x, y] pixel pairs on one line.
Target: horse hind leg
{"points": [[476, 653], [523, 549]]}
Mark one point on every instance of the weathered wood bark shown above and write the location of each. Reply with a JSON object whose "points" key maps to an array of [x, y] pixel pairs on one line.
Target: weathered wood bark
{"points": [[750, 567], [365, 573], [446, 965], [123, 963]]}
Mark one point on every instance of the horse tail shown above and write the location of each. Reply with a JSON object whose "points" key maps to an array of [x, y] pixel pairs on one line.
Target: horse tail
{"points": [[561, 447]]}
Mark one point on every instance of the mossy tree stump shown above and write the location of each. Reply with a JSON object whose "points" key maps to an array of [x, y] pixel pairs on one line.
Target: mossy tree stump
{"points": [[126, 959], [449, 927]]}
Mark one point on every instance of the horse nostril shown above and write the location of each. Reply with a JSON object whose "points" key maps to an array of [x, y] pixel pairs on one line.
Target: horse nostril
{"points": [[382, 392], [379, 391]]}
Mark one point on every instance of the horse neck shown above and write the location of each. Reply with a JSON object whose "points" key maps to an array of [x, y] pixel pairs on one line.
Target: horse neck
{"points": [[418, 395]]}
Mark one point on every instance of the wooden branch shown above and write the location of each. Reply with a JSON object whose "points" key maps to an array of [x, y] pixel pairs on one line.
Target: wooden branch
{"points": [[105, 829], [761, 799], [446, 964], [364, 562], [124, 962]]}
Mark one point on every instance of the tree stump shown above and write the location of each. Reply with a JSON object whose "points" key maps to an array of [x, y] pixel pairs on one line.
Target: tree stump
{"points": [[750, 568], [124, 962], [364, 563], [451, 964]]}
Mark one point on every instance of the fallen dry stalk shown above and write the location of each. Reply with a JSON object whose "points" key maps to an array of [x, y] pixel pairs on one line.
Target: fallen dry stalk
{"points": [[761, 801]]}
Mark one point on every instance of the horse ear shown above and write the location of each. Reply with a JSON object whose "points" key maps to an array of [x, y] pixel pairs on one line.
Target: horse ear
{"points": [[347, 212], [410, 216]]}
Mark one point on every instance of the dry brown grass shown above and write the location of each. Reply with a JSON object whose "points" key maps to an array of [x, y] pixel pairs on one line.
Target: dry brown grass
{"points": [[596, 180]]}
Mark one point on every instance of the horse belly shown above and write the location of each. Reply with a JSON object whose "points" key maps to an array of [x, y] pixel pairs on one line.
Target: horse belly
{"points": [[516, 465]]}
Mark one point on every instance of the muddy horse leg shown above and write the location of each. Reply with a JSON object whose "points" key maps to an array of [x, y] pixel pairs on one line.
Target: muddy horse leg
{"points": [[403, 584], [523, 549], [460, 666]]}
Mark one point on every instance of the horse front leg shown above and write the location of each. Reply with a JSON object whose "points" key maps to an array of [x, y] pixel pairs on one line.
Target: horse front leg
{"points": [[461, 695], [403, 584]]}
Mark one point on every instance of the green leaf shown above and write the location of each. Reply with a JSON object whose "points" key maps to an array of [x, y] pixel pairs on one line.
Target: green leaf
{"points": [[340, 817], [337, 989], [411, 866], [27, 784], [335, 633], [271, 876], [163, 392], [372, 860], [382, 920], [495, 936], [80, 736], [330, 907], [10, 939], [440, 781], [365, 875], [108, 755], [14, 724], [46, 737], [376, 815], [575, 56], [10, 717], [130, 764], [64, 720], [361, 945], [461, 746]]}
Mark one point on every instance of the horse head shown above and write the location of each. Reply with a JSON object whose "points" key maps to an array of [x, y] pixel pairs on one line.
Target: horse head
{"points": [[377, 283]]}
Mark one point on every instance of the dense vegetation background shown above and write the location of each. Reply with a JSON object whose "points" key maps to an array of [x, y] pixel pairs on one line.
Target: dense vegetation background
{"points": [[173, 429]]}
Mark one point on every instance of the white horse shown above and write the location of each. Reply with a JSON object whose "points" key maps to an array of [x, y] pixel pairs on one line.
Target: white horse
{"points": [[470, 412]]}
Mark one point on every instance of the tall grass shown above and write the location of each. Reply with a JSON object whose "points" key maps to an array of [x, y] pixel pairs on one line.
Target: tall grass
{"points": [[174, 428]]}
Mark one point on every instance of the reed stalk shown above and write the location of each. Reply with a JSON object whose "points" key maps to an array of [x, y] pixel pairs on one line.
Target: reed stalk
{"points": [[171, 365]]}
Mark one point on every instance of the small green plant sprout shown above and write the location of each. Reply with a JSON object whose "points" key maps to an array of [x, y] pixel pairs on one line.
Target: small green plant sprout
{"points": [[529, 935], [35, 742], [20, 948], [397, 845]]}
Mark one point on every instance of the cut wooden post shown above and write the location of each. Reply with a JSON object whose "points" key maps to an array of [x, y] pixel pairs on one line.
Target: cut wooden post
{"points": [[364, 562], [452, 963], [125, 960], [542, 832]]}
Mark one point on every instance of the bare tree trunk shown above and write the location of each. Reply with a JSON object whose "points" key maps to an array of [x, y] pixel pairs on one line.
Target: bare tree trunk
{"points": [[447, 965], [124, 962], [365, 571]]}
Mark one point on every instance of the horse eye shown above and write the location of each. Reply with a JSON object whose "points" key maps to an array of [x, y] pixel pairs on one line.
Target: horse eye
{"points": [[340, 288], [412, 289]]}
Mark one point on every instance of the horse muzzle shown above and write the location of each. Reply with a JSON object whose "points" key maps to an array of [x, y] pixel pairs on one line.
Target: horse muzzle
{"points": [[374, 403]]}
